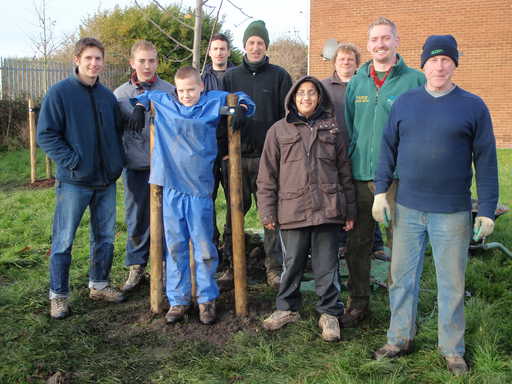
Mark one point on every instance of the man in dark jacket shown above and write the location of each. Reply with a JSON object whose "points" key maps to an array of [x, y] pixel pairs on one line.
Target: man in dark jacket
{"points": [[267, 85], [78, 129], [212, 79], [144, 62]]}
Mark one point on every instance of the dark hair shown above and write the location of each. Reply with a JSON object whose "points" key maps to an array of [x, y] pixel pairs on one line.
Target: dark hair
{"points": [[221, 37], [186, 72], [88, 42]]}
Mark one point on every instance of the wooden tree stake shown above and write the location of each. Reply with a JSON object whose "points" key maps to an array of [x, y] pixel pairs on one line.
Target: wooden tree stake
{"points": [[237, 214]]}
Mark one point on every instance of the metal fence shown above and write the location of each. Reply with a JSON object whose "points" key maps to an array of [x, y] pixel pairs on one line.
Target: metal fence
{"points": [[31, 78]]}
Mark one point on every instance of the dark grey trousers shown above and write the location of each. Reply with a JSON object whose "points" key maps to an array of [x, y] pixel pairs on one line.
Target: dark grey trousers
{"points": [[322, 240]]}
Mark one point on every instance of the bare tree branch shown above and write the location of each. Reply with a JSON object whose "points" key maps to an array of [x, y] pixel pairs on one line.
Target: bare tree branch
{"points": [[161, 30], [240, 9], [211, 34], [180, 60], [173, 17]]}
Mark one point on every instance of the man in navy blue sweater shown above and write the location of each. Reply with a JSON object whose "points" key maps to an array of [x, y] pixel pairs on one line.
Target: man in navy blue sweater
{"points": [[434, 135], [78, 128]]}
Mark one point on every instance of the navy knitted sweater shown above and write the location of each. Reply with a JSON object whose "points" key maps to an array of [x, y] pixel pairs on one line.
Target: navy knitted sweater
{"points": [[431, 143]]}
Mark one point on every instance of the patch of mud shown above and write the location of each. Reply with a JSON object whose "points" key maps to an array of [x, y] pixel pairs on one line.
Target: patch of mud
{"points": [[42, 183]]}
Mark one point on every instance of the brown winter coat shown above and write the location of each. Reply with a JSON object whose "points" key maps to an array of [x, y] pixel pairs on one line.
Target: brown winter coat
{"points": [[304, 177]]}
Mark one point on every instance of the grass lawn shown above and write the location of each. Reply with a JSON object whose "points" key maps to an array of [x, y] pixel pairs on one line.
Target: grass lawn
{"points": [[124, 343]]}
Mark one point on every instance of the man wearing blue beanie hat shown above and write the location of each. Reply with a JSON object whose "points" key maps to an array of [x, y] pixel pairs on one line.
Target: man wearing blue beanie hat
{"points": [[437, 45], [434, 136]]}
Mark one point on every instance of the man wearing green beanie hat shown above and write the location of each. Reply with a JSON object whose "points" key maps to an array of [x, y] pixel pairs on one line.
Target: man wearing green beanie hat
{"points": [[267, 84], [256, 28]]}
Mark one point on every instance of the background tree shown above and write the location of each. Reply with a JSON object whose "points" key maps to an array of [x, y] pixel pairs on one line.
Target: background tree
{"points": [[291, 54], [120, 27]]}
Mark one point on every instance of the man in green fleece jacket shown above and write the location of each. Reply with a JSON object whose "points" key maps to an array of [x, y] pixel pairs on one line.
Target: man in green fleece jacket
{"points": [[369, 97]]}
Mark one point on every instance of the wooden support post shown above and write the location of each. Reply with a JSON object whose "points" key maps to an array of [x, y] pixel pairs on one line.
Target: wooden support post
{"points": [[48, 164], [192, 263], [237, 214], [156, 235], [32, 137]]}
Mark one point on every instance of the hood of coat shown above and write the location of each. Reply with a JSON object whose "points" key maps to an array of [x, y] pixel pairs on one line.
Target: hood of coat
{"points": [[324, 108]]}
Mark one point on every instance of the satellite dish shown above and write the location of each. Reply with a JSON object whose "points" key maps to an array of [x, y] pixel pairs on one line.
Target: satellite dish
{"points": [[329, 49]]}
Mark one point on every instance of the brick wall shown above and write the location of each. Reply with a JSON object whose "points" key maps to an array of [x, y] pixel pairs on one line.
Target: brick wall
{"points": [[483, 31]]}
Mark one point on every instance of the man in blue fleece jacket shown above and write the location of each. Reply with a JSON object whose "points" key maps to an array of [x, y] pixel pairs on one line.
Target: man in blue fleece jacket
{"points": [[434, 135], [78, 129]]}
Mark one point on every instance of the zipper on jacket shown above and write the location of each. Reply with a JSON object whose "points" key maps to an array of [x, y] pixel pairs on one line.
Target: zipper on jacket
{"points": [[98, 136], [373, 127]]}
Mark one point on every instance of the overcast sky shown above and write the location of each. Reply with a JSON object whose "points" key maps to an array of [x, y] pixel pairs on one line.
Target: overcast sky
{"points": [[19, 18]]}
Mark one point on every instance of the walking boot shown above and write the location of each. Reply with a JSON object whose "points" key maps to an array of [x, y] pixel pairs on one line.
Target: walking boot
{"points": [[207, 313], [330, 327], [135, 277]]}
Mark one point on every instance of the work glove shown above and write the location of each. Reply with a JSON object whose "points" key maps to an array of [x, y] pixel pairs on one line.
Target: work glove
{"points": [[381, 211], [239, 118], [483, 227], [137, 119]]}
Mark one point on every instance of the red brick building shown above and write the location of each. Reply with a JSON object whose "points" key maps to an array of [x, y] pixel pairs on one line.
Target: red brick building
{"points": [[483, 31]]}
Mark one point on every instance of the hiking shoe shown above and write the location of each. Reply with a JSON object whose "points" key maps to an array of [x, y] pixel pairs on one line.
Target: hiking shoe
{"points": [[390, 351], [110, 294], [207, 313], [456, 365], [353, 317], [135, 276], [330, 327], [280, 318], [274, 279], [176, 313], [59, 307]]}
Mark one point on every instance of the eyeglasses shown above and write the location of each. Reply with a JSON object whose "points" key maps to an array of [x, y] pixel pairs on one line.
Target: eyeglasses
{"points": [[303, 94]]}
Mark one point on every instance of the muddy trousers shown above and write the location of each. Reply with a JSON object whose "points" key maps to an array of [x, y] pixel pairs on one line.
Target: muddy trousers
{"points": [[189, 219], [322, 240]]}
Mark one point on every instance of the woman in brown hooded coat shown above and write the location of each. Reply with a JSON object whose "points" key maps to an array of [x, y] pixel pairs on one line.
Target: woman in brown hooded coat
{"points": [[305, 189]]}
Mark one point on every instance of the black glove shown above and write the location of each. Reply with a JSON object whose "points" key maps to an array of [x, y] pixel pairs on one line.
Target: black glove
{"points": [[137, 119], [238, 118]]}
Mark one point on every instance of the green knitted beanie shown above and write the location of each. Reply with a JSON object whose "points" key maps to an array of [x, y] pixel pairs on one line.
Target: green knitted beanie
{"points": [[257, 28]]}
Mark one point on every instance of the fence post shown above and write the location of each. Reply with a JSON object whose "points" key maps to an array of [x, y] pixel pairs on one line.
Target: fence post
{"points": [[156, 233], [32, 137], [237, 214]]}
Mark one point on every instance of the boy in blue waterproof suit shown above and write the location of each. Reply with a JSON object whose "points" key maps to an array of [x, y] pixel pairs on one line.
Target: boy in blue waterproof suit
{"points": [[182, 163]]}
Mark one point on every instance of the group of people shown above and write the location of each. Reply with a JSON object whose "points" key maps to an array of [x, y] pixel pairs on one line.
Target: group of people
{"points": [[325, 160]]}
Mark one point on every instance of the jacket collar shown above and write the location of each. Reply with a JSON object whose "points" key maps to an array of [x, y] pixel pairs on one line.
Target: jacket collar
{"points": [[77, 78], [255, 67], [396, 69]]}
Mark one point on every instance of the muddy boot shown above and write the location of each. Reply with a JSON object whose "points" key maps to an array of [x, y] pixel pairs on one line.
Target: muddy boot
{"points": [[207, 313], [108, 293], [176, 313], [330, 327], [273, 279], [456, 365], [134, 277], [390, 351], [59, 307], [278, 319]]}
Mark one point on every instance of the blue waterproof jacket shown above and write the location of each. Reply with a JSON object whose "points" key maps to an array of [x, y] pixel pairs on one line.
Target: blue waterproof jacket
{"points": [[79, 129], [185, 140]]}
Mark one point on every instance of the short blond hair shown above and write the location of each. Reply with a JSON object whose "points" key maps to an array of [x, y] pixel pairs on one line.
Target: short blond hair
{"points": [[144, 45], [383, 21], [347, 48], [187, 72]]}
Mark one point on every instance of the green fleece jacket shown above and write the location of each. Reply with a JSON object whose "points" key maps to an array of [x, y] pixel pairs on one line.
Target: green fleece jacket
{"points": [[367, 110]]}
